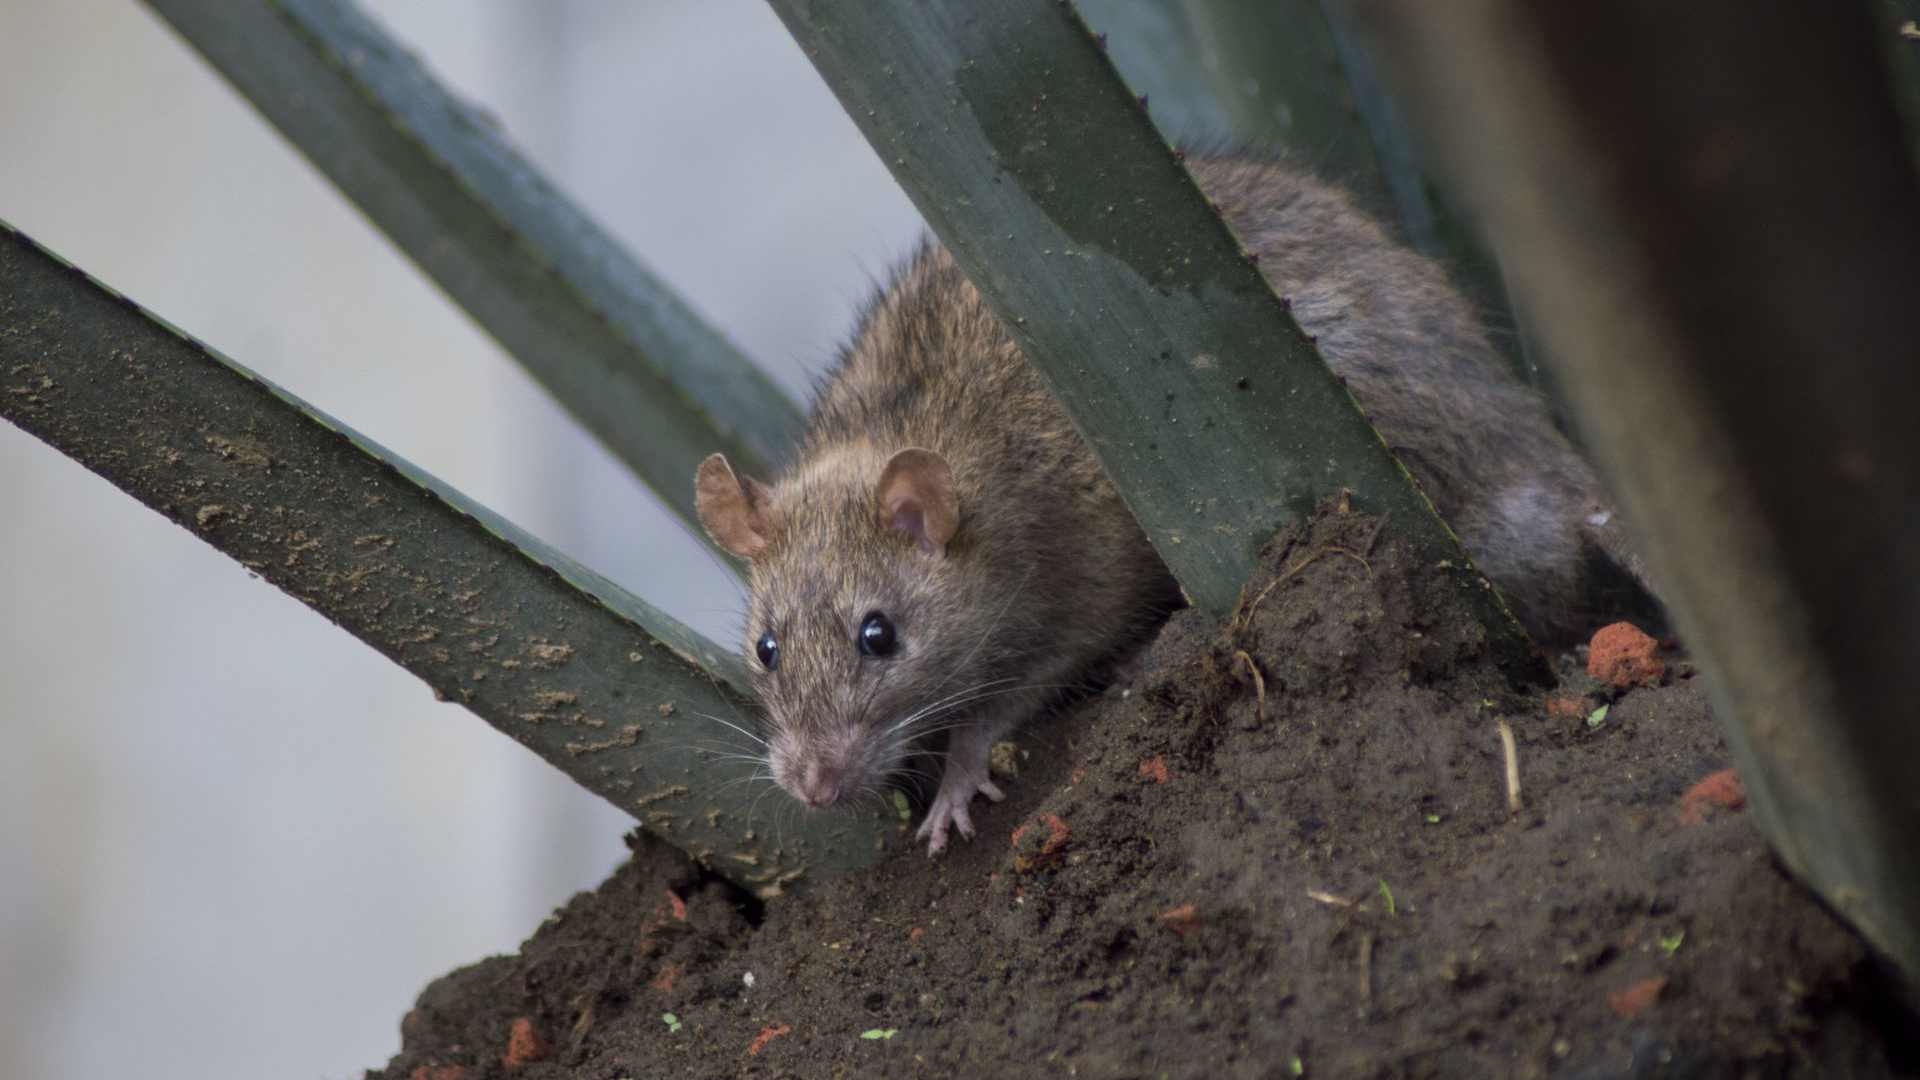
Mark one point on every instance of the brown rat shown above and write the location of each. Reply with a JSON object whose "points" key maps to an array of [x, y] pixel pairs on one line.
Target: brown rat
{"points": [[945, 554]]}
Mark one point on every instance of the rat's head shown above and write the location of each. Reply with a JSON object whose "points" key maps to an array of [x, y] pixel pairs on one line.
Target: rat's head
{"points": [[850, 632]]}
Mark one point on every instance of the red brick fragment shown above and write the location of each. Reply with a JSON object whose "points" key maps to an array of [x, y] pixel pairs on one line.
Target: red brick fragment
{"points": [[1567, 707], [1182, 920], [1154, 769], [1637, 997], [1623, 656], [767, 1035], [438, 1072], [667, 976], [1033, 849], [524, 1044], [678, 905], [1722, 789]]}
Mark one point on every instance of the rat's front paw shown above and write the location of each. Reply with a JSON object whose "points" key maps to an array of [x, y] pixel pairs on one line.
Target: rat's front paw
{"points": [[949, 809]]}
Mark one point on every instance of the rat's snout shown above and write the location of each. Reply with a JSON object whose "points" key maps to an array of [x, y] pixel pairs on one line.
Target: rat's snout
{"points": [[819, 783]]}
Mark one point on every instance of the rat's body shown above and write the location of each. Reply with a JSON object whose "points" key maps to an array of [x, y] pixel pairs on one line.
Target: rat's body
{"points": [[945, 553]]}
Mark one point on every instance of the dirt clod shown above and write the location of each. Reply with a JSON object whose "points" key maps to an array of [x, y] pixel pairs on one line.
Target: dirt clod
{"points": [[1003, 761]]}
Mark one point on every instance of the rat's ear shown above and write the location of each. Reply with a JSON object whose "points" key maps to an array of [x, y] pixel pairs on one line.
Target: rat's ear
{"points": [[915, 496], [736, 510]]}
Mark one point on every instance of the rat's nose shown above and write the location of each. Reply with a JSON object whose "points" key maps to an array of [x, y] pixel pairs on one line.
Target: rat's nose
{"points": [[819, 785]]}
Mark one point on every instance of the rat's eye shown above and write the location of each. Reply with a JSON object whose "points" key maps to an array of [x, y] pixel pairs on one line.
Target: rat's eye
{"points": [[876, 635], [768, 650]]}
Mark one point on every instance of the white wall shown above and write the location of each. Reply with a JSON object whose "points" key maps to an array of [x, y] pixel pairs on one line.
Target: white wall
{"points": [[233, 841]]}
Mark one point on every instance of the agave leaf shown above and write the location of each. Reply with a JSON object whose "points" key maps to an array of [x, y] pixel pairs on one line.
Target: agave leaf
{"points": [[1212, 414], [1898, 23], [1289, 75], [612, 343], [1727, 265], [614, 693]]}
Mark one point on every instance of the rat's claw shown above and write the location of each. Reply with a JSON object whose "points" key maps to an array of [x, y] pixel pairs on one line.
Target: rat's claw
{"points": [[964, 777], [949, 811]]}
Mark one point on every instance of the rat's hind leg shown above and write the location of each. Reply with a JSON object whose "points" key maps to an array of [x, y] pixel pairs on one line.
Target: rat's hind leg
{"points": [[963, 776]]}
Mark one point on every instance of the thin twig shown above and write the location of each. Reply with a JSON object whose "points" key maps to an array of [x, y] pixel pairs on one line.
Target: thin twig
{"points": [[1259, 684], [1328, 898], [1296, 568], [1512, 753]]}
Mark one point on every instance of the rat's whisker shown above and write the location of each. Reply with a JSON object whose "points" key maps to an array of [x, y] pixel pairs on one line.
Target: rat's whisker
{"points": [[748, 780], [750, 759], [729, 723], [946, 702], [1013, 595], [931, 713]]}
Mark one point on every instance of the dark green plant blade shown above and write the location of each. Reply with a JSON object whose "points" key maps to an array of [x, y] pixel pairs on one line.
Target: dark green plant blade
{"points": [[1713, 210], [1898, 23], [612, 343], [614, 693], [1006, 125], [1288, 75], [1261, 74]]}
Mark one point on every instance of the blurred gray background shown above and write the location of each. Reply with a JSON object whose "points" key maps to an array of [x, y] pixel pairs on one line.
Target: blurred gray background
{"points": [[234, 842]]}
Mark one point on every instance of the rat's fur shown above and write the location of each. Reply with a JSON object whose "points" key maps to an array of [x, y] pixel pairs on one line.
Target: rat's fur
{"points": [[1047, 575]]}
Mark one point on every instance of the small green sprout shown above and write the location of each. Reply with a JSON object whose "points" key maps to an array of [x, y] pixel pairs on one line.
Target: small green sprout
{"points": [[874, 1034], [1387, 895], [1296, 1067], [1597, 716], [673, 1022], [1433, 819], [1671, 945], [900, 805]]}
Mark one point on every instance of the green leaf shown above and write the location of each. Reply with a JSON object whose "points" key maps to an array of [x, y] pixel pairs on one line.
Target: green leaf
{"points": [[1386, 894], [879, 1033], [1213, 416], [1598, 716], [1671, 945], [673, 1023], [613, 692], [611, 342], [1433, 819]]}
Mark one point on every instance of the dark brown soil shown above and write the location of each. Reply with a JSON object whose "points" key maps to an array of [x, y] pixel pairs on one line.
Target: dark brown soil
{"points": [[1330, 884]]}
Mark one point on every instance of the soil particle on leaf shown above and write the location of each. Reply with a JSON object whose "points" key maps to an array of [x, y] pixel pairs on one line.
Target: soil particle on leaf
{"points": [[1373, 759]]}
